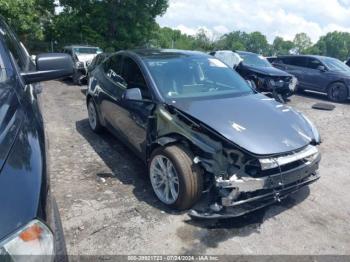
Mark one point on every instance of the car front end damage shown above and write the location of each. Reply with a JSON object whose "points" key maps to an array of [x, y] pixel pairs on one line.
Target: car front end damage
{"points": [[80, 71], [275, 85], [252, 184], [236, 182]]}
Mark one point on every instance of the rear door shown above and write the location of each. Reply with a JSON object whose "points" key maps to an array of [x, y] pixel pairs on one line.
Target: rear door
{"points": [[315, 78], [296, 65], [112, 87]]}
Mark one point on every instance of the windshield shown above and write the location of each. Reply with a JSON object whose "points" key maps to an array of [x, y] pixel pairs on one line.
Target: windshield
{"points": [[335, 65], [254, 60], [190, 77], [87, 50]]}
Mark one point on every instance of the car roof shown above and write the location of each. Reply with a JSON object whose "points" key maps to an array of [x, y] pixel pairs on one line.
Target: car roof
{"points": [[310, 56], [79, 46], [246, 52], [163, 53]]}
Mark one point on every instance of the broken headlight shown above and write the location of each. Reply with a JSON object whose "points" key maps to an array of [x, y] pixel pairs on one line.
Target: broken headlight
{"points": [[310, 153], [34, 240], [79, 64], [293, 83]]}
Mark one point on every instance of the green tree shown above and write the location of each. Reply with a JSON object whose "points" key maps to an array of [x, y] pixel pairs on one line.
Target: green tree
{"points": [[256, 42], [202, 41], [238, 40], [108, 23], [232, 41], [281, 46], [334, 44], [29, 18], [166, 37], [302, 42]]}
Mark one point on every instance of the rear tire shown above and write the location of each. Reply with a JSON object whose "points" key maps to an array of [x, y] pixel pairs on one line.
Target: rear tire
{"points": [[94, 120], [189, 175], [337, 92]]}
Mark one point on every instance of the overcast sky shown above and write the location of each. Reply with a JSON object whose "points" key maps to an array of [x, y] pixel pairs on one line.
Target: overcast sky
{"points": [[271, 17]]}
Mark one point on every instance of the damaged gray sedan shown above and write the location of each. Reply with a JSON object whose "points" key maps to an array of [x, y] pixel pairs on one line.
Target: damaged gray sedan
{"points": [[212, 145]]}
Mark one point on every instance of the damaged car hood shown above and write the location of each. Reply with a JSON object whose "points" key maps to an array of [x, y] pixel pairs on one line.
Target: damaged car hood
{"points": [[255, 123], [269, 71]]}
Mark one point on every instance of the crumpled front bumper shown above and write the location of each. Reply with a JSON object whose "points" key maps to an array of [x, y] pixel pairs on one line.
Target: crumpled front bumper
{"points": [[265, 191]]}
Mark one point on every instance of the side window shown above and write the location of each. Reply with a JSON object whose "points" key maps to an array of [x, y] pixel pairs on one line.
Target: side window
{"points": [[133, 77], [3, 69], [314, 63], [113, 67], [296, 61], [277, 61]]}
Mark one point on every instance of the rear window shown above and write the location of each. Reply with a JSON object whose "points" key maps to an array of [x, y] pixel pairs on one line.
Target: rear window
{"points": [[87, 50], [251, 59]]}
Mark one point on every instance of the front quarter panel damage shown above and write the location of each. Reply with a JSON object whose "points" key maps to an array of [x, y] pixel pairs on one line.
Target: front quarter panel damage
{"points": [[232, 176], [174, 126]]}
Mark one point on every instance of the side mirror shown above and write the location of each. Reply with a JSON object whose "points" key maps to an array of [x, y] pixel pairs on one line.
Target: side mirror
{"points": [[322, 68], [132, 94], [49, 66]]}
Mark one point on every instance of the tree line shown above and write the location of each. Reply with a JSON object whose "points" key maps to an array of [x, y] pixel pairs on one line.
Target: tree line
{"points": [[120, 24]]}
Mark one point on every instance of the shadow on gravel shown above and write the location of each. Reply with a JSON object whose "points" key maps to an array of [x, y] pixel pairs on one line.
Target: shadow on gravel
{"points": [[83, 90], [203, 234], [125, 165], [68, 81]]}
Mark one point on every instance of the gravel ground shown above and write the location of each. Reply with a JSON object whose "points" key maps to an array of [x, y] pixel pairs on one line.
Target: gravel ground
{"points": [[108, 207]]}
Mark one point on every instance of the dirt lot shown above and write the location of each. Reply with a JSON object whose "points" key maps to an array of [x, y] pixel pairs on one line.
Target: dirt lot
{"points": [[107, 204]]}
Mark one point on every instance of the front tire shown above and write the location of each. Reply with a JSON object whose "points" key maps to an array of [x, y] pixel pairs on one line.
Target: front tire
{"points": [[175, 179], [337, 92], [94, 120], [76, 78]]}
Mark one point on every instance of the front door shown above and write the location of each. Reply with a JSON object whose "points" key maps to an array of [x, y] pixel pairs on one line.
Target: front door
{"points": [[135, 113]]}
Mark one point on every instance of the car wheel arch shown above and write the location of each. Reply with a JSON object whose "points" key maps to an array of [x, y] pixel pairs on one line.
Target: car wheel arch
{"points": [[88, 98], [338, 81], [168, 140], [334, 82]]}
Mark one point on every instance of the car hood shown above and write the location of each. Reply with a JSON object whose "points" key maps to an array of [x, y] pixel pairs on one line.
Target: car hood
{"points": [[270, 71], [85, 57], [342, 74], [255, 123]]}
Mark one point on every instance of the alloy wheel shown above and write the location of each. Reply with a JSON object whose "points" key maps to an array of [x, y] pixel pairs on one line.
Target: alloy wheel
{"points": [[164, 179]]}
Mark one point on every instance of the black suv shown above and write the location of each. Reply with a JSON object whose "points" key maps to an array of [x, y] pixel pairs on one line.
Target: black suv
{"points": [[29, 218], [318, 73], [257, 70]]}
